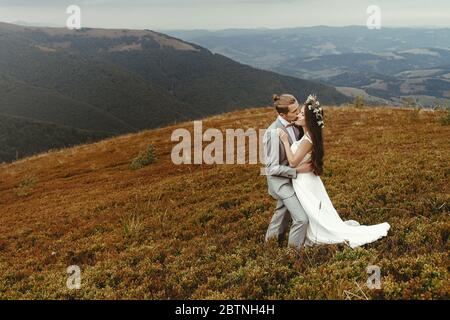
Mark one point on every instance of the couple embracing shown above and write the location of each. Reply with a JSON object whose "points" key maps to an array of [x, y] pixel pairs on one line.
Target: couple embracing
{"points": [[294, 162]]}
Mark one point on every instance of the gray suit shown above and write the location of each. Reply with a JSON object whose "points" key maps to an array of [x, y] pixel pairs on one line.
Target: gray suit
{"points": [[279, 181]]}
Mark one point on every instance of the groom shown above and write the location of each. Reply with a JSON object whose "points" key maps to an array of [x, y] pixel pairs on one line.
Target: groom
{"points": [[280, 175]]}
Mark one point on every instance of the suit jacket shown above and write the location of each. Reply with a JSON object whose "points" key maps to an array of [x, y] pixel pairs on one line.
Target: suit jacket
{"points": [[279, 173]]}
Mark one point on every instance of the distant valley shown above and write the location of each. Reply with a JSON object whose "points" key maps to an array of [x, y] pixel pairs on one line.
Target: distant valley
{"points": [[385, 66]]}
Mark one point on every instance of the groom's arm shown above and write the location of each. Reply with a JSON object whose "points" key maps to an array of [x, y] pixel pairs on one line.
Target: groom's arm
{"points": [[305, 167], [272, 153]]}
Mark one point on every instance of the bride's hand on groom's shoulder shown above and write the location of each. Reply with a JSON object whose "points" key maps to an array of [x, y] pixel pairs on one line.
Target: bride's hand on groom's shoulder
{"points": [[283, 135]]}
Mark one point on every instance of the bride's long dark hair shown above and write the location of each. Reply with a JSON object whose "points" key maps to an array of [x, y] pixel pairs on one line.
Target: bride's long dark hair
{"points": [[317, 139]]}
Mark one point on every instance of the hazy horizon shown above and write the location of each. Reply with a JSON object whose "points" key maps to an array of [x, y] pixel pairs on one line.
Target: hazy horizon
{"points": [[51, 25], [227, 14]]}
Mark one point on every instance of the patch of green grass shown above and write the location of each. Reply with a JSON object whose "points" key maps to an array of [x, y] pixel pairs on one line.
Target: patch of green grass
{"points": [[131, 225], [26, 186], [144, 159]]}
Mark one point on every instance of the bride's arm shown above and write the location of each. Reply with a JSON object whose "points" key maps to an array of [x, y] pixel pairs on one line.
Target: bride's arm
{"points": [[300, 153], [303, 149]]}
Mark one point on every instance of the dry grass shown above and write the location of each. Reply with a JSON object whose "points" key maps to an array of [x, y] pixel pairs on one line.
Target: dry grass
{"points": [[196, 231]]}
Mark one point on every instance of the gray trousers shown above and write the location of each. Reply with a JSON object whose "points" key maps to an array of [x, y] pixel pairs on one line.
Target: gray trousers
{"points": [[285, 209]]}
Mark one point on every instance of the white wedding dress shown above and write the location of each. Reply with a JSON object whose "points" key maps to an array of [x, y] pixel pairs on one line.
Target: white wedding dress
{"points": [[325, 226]]}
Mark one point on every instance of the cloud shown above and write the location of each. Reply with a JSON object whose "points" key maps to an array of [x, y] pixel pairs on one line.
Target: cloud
{"points": [[214, 14]]}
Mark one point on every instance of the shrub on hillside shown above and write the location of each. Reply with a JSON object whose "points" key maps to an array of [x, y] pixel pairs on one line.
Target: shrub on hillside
{"points": [[26, 186], [144, 159], [359, 102], [445, 120]]}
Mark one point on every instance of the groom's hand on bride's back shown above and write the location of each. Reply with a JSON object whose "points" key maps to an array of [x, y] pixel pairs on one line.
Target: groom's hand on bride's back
{"points": [[305, 168]]}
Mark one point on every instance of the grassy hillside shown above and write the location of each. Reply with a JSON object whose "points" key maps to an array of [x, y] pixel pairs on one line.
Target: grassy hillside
{"points": [[196, 231]]}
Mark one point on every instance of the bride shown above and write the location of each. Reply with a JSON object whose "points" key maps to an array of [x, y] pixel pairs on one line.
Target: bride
{"points": [[325, 226]]}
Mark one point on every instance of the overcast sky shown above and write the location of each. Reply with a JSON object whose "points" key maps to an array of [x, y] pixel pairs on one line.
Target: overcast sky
{"points": [[222, 14]]}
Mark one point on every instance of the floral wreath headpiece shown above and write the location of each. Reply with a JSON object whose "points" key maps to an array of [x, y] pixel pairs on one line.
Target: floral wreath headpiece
{"points": [[314, 105]]}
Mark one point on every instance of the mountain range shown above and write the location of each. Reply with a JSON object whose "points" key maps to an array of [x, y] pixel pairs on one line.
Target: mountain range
{"points": [[384, 65], [82, 85]]}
